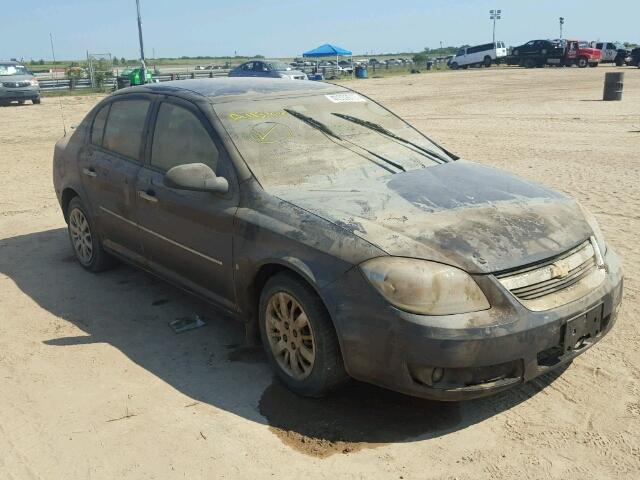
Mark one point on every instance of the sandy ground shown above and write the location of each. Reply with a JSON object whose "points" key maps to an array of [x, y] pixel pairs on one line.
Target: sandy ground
{"points": [[94, 385]]}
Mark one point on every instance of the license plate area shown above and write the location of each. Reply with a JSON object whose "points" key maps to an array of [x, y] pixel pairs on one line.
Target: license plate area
{"points": [[583, 329]]}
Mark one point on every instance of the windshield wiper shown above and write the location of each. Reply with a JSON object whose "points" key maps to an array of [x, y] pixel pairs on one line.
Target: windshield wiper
{"points": [[380, 129], [313, 122], [326, 130]]}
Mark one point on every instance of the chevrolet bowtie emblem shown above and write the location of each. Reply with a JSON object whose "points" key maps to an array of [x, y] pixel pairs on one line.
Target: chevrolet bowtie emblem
{"points": [[559, 270]]}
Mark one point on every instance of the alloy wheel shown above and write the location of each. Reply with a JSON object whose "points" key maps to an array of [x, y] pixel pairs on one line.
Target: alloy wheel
{"points": [[290, 335], [81, 236]]}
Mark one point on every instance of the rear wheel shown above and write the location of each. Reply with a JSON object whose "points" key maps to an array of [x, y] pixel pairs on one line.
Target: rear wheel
{"points": [[487, 61], [84, 239], [298, 337], [529, 63]]}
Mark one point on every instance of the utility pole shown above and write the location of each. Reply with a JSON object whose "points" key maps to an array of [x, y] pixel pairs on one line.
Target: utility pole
{"points": [[144, 66], [561, 19], [495, 15]]}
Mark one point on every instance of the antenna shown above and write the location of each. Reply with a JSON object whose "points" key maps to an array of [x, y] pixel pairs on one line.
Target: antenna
{"points": [[55, 77], [144, 65]]}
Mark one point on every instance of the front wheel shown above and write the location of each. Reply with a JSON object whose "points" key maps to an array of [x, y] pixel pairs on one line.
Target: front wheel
{"points": [[36, 101], [84, 239], [298, 337], [454, 66], [582, 62]]}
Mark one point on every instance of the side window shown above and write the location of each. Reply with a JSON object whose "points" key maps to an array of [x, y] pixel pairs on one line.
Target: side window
{"points": [[248, 66], [123, 133], [180, 138], [599, 46], [97, 130], [530, 44]]}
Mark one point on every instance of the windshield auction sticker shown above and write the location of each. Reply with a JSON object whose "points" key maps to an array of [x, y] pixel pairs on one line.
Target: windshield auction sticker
{"points": [[348, 97], [256, 115]]}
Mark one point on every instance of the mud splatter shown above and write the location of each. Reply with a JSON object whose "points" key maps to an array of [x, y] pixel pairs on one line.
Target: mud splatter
{"points": [[356, 417]]}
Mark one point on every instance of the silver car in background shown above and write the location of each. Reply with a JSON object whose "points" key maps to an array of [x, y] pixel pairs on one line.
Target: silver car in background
{"points": [[17, 83]]}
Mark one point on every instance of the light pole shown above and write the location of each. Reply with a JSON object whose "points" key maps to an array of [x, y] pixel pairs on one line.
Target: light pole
{"points": [[144, 66], [561, 19], [495, 15]]}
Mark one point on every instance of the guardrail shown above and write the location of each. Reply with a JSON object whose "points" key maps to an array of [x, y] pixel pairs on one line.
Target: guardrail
{"points": [[52, 84]]}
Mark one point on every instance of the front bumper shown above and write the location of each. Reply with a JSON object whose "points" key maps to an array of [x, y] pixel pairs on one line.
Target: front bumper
{"points": [[458, 357], [22, 93]]}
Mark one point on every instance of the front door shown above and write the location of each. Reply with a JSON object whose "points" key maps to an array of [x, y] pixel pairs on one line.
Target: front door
{"points": [[109, 164], [187, 235]]}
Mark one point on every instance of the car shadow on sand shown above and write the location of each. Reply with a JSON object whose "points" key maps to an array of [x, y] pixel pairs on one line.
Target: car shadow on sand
{"points": [[130, 310]]}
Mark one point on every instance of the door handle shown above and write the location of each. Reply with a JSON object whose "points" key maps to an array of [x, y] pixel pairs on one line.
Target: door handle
{"points": [[149, 195], [89, 172]]}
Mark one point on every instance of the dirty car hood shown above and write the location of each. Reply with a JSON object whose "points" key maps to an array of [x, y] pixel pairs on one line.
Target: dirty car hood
{"points": [[460, 213]]}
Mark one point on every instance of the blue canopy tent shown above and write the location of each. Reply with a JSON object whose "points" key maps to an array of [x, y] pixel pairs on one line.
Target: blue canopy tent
{"points": [[328, 50]]}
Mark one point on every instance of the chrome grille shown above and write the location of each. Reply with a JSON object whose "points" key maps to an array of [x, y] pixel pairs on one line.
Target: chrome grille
{"points": [[15, 84], [557, 281]]}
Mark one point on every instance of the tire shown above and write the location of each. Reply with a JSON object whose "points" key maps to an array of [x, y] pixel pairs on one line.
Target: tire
{"points": [[317, 337], [619, 62], [582, 62], [529, 63], [21, 102], [84, 239], [36, 101], [487, 61], [454, 66]]}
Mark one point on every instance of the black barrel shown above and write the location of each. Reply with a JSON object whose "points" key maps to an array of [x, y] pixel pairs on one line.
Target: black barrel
{"points": [[613, 83]]}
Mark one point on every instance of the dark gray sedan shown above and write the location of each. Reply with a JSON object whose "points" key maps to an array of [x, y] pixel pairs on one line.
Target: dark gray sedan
{"points": [[267, 69], [351, 244]]}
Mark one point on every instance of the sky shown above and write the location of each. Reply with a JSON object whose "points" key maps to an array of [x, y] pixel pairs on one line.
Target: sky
{"points": [[287, 28]]}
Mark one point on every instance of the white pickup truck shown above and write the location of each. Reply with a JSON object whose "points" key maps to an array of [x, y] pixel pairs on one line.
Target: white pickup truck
{"points": [[611, 52]]}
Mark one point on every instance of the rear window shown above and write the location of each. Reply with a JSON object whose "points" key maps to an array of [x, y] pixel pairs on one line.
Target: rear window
{"points": [[123, 133]]}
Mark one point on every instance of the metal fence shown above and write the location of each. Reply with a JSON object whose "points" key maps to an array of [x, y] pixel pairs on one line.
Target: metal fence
{"points": [[63, 83]]}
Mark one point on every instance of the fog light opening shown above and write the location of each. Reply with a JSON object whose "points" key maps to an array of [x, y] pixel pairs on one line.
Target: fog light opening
{"points": [[437, 375]]}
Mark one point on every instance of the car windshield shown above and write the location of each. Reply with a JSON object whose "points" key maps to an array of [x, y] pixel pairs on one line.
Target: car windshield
{"points": [[12, 69], [278, 66], [315, 138], [584, 44]]}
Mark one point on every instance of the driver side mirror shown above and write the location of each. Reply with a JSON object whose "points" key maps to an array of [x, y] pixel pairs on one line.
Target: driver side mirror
{"points": [[197, 177]]}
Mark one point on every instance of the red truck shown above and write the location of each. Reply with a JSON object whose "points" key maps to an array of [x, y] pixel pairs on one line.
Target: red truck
{"points": [[578, 52], [538, 53]]}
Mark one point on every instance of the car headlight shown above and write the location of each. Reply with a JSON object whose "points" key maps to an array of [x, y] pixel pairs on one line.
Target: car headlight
{"points": [[423, 287], [597, 233], [34, 82]]}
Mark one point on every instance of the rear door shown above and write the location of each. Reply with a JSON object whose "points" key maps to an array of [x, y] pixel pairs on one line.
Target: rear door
{"points": [[187, 235], [109, 165]]}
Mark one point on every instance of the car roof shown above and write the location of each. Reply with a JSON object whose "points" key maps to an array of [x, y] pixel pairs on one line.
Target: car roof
{"points": [[220, 90]]}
